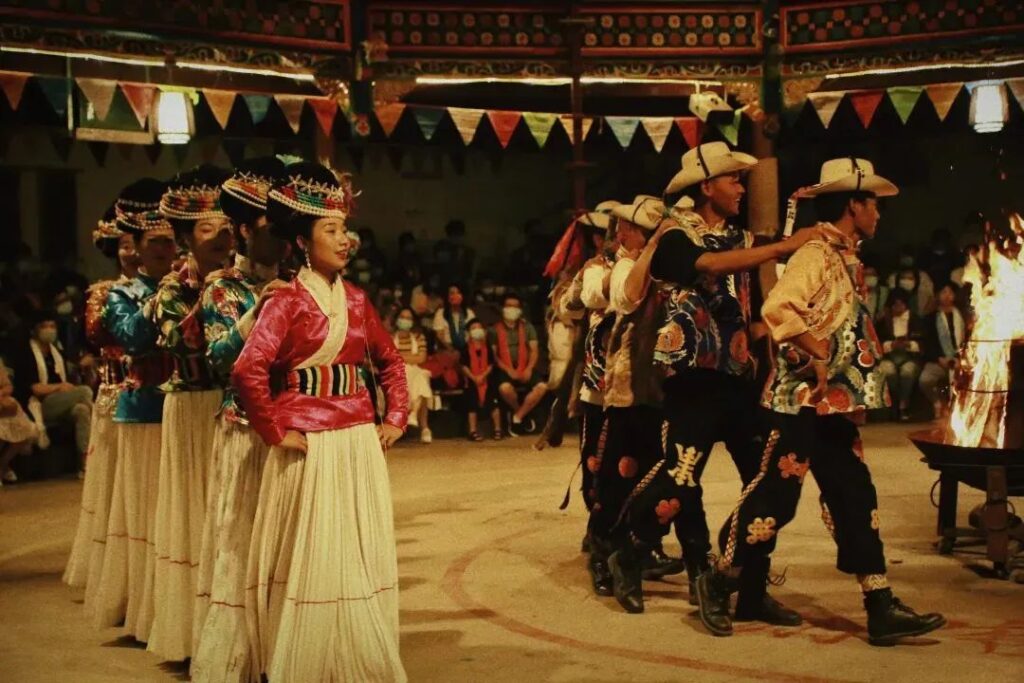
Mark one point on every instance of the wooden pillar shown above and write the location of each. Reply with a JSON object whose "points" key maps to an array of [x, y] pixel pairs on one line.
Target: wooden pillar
{"points": [[574, 26], [763, 188]]}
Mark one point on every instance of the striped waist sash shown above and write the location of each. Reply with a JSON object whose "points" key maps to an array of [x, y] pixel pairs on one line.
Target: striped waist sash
{"points": [[326, 380]]}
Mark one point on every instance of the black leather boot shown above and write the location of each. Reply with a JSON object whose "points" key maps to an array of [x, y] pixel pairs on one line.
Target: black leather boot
{"points": [[713, 589], [696, 564], [600, 576], [889, 619], [624, 566], [657, 564], [754, 603]]}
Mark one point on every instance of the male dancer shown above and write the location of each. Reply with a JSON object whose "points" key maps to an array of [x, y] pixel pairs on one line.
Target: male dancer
{"points": [[825, 380], [709, 395]]}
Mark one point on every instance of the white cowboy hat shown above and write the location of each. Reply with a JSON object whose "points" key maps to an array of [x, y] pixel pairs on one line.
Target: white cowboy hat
{"points": [[601, 216], [645, 212], [706, 161], [850, 174]]}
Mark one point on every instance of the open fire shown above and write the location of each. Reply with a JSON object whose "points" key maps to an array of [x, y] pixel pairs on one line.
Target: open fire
{"points": [[988, 396]]}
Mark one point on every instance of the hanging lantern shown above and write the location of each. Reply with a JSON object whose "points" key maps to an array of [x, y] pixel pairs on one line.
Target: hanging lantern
{"points": [[174, 122], [989, 107]]}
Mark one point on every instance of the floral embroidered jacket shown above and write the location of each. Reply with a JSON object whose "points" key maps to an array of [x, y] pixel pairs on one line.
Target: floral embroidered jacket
{"points": [[706, 320], [821, 292], [111, 354], [146, 367], [178, 315], [311, 324], [229, 313]]}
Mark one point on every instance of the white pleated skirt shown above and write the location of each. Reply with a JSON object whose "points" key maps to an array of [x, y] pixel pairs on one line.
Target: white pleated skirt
{"points": [[185, 448], [100, 462], [221, 639], [121, 585], [322, 598]]}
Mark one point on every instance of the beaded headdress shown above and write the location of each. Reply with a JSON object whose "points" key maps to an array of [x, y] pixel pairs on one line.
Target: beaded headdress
{"points": [[248, 187], [191, 203], [137, 210], [315, 198], [106, 228]]}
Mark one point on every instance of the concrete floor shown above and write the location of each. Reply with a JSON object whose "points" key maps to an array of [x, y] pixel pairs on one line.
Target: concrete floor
{"points": [[494, 588]]}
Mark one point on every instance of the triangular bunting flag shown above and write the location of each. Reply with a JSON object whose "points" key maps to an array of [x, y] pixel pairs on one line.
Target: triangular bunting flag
{"points": [[220, 103], [566, 121], [100, 94], [326, 110], [56, 92], [13, 85], [504, 124], [466, 122], [657, 130], [396, 155], [388, 116], [1016, 87], [99, 152], [125, 151], [180, 153], [731, 131], [623, 128], [235, 150], [208, 148], [865, 103], [258, 105], [140, 97], [540, 126], [942, 96], [825, 104], [690, 127], [903, 100], [428, 119], [61, 143], [358, 155], [291, 107]]}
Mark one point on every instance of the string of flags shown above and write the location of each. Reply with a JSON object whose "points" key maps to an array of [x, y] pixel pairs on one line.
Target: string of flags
{"points": [[100, 96], [904, 99]]}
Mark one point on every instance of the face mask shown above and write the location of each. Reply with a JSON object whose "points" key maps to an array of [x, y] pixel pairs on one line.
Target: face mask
{"points": [[48, 336], [455, 299], [64, 308], [363, 276], [487, 291], [907, 261], [512, 313], [907, 284], [871, 281], [477, 334], [404, 324]]}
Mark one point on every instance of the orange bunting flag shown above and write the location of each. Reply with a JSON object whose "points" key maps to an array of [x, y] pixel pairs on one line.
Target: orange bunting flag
{"points": [[140, 97], [389, 115], [504, 124]]}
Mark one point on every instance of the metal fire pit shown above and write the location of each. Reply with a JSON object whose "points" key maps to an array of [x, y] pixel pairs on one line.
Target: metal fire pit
{"points": [[997, 471]]}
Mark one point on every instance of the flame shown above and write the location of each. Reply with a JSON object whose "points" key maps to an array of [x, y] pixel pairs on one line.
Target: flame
{"points": [[983, 377]]}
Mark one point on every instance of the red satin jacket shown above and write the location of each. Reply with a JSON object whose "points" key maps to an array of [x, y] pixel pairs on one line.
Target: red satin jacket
{"points": [[290, 329]]}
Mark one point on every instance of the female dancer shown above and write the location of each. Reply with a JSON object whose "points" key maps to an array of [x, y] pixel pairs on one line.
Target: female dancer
{"points": [[323, 577], [124, 588], [86, 560], [192, 205], [231, 301]]}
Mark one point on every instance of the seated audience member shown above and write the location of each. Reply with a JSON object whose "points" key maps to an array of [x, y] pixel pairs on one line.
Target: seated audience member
{"points": [[408, 266], [915, 282], [17, 431], [43, 388], [516, 352], [481, 393], [971, 251], [451, 320], [412, 345], [944, 333], [900, 334], [940, 258], [877, 293]]}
